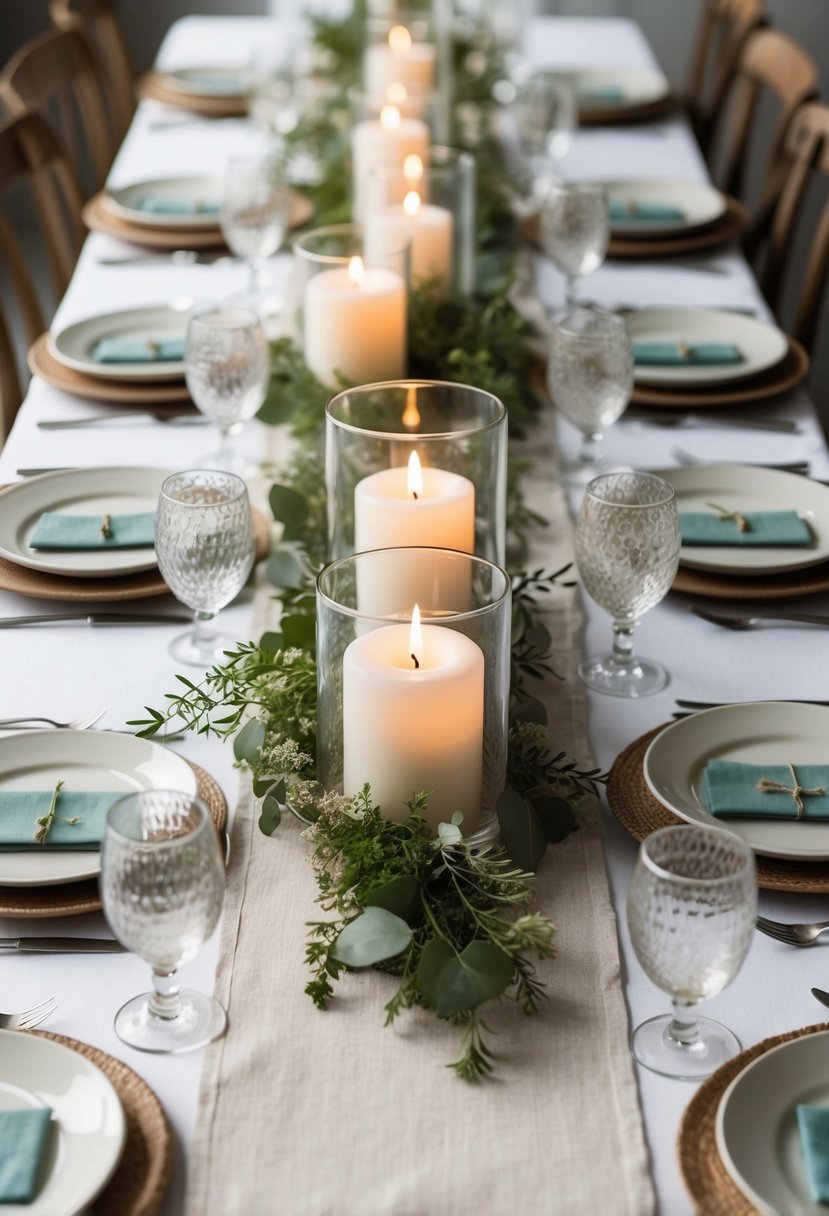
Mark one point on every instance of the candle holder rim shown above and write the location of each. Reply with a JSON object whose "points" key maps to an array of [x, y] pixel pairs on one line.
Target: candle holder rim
{"points": [[411, 436], [669, 495], [241, 489], [370, 99], [459, 157], [204, 819], [356, 614], [338, 259], [650, 863]]}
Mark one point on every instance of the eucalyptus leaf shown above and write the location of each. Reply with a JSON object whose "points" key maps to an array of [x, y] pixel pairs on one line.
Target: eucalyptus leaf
{"points": [[270, 816], [289, 508], [399, 896], [284, 569], [528, 709], [278, 406], [453, 983], [300, 630], [249, 740], [372, 937], [521, 831], [557, 816], [271, 641]]}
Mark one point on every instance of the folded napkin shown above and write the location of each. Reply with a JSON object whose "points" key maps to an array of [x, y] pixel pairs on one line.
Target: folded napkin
{"points": [[813, 1125], [23, 1137], [21, 809], [57, 531], [155, 205], [678, 354], [784, 528], [234, 82], [644, 211], [121, 348], [600, 94], [729, 790]]}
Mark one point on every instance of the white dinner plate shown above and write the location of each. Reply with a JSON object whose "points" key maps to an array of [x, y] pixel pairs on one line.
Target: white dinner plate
{"points": [[761, 345], [228, 82], [742, 488], [86, 760], [88, 1129], [73, 345], [639, 86], [97, 492], [756, 732], [756, 1128], [205, 190], [700, 204]]}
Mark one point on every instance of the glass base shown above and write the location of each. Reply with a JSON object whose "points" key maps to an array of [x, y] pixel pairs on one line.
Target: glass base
{"points": [[654, 1047], [200, 1021], [184, 649], [638, 679]]}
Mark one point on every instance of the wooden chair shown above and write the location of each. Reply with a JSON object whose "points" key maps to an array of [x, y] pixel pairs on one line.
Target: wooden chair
{"points": [[724, 26], [97, 21], [55, 73]]}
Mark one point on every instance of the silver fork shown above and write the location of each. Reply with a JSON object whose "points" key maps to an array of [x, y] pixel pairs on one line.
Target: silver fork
{"points": [[68, 424], [792, 935], [29, 1017], [76, 724], [759, 618], [795, 466]]}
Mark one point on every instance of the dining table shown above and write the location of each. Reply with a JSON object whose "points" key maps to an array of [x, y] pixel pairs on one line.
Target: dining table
{"points": [[64, 670]]}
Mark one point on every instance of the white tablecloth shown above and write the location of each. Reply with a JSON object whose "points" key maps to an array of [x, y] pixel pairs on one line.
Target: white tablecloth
{"points": [[64, 670]]}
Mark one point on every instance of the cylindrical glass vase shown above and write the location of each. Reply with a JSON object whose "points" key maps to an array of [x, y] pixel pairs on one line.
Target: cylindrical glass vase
{"points": [[386, 129], [408, 709], [410, 49], [351, 305], [416, 462], [434, 204]]}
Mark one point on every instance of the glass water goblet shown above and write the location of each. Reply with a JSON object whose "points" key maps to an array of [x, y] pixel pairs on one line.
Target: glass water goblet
{"points": [[227, 368], [254, 220], [691, 906], [205, 547], [162, 886], [590, 378], [627, 551], [546, 117], [575, 229]]}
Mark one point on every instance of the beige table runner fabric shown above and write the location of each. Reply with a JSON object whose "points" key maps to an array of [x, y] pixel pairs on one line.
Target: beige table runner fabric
{"points": [[309, 1113]]}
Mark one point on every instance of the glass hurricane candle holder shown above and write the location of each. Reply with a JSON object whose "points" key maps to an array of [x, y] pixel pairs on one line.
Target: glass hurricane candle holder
{"points": [[432, 202], [411, 49], [351, 305], [416, 462], [413, 660], [386, 129]]}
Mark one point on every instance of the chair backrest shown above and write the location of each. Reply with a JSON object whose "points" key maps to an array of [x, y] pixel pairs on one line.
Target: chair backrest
{"points": [[723, 29], [56, 74], [97, 21]]}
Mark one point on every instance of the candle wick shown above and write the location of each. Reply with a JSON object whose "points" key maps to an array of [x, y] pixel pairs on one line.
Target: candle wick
{"points": [[413, 657], [414, 494]]}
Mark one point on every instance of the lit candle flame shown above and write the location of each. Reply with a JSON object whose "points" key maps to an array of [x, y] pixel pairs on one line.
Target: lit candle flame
{"points": [[412, 169], [396, 93], [390, 117], [411, 414], [414, 480], [400, 40], [416, 638], [411, 204], [356, 271]]}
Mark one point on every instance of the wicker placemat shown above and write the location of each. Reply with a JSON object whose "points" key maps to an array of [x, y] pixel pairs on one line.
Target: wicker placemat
{"points": [[729, 227], [792, 368], [158, 87], [753, 586], [73, 898], [137, 1187], [705, 1176], [97, 388], [99, 218], [640, 813]]}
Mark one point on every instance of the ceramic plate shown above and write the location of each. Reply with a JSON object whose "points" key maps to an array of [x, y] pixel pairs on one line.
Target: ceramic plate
{"points": [[88, 1130], [700, 204], [756, 1126], [114, 491], [205, 190], [742, 488], [87, 760], [638, 86], [224, 82], [757, 732], [761, 345], [73, 346]]}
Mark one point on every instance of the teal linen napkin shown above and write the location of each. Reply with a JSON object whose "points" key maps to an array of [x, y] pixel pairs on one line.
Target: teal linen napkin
{"points": [[644, 212], [57, 531], [784, 528], [21, 809], [681, 354], [155, 205], [23, 1136], [121, 348], [595, 95], [729, 790], [813, 1125]]}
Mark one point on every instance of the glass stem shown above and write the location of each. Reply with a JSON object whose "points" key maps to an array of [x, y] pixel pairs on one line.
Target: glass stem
{"points": [[623, 655], [204, 633], [165, 998], [587, 455], [253, 276], [684, 1028], [570, 293]]}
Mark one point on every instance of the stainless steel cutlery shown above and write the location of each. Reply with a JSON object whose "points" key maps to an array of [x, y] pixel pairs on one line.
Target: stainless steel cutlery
{"points": [[69, 424], [62, 945], [177, 257], [792, 935], [685, 458], [98, 618], [668, 418], [758, 619]]}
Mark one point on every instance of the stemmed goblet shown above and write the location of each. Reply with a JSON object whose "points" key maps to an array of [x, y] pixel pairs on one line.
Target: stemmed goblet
{"points": [[575, 229], [254, 219], [691, 906], [627, 551], [545, 116], [590, 377], [162, 886], [205, 548]]}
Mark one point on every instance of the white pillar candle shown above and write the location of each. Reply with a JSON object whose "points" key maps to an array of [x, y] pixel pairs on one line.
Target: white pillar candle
{"points": [[407, 728], [430, 229], [399, 60], [355, 324], [387, 141]]}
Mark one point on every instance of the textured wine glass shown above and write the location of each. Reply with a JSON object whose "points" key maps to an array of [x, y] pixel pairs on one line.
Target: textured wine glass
{"points": [[254, 219], [590, 377], [691, 906], [575, 229], [545, 118], [227, 367], [627, 550], [205, 547], [162, 886]]}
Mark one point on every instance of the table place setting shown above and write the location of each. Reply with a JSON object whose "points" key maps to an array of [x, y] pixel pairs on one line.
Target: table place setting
{"points": [[207, 90]]}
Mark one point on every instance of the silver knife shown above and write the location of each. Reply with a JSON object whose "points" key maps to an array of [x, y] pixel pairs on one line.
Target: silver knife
{"points": [[638, 413], [55, 468], [63, 945], [70, 424], [98, 618]]}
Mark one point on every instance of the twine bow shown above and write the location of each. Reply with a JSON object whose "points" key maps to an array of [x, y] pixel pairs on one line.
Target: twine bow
{"points": [[106, 527], [740, 520], [766, 786]]}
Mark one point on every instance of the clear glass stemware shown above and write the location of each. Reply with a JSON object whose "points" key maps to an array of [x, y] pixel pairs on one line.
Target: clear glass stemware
{"points": [[545, 115], [162, 886], [627, 550], [205, 547], [575, 229], [254, 219], [691, 906]]}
